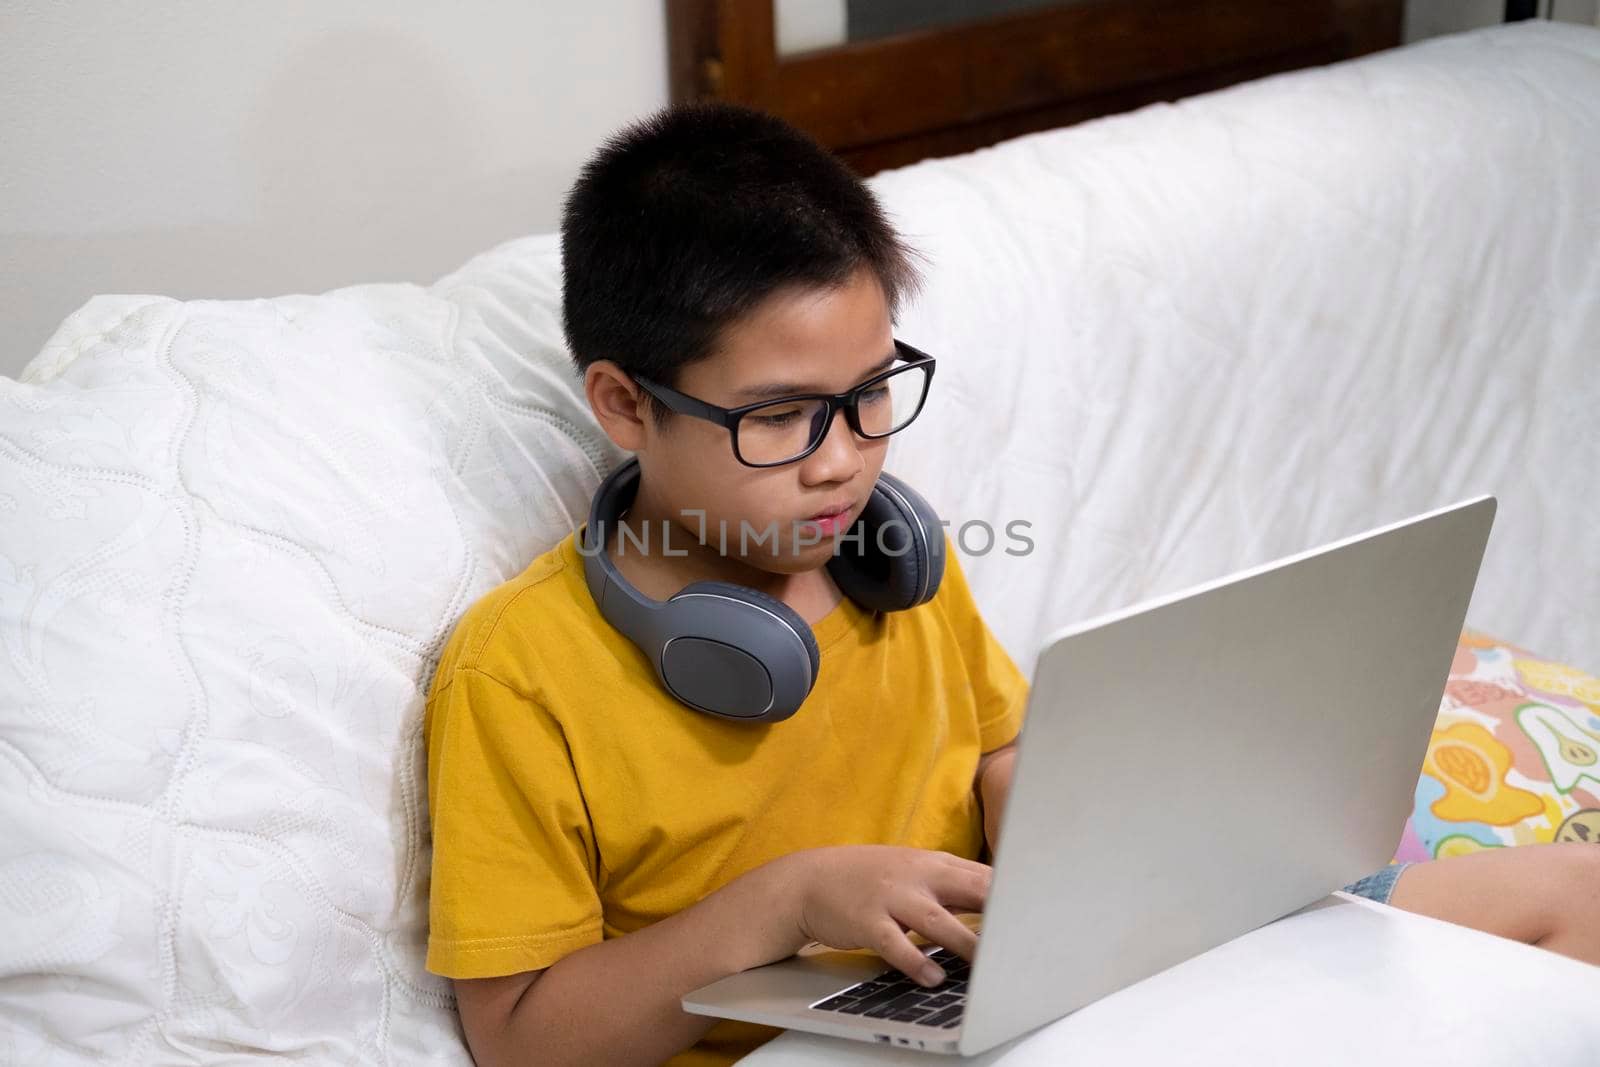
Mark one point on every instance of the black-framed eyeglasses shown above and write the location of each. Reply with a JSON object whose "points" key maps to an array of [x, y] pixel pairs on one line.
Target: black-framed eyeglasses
{"points": [[770, 433]]}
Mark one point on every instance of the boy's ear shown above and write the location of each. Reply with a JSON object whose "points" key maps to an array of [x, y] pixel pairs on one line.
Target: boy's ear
{"points": [[617, 403]]}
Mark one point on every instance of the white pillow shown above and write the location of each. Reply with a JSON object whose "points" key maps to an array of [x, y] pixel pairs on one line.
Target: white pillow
{"points": [[233, 537]]}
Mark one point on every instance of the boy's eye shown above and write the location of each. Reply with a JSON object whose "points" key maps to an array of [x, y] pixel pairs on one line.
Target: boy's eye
{"points": [[874, 395], [773, 419]]}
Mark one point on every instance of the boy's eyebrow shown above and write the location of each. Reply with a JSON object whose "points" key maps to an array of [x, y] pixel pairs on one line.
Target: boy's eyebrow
{"points": [[758, 392]]}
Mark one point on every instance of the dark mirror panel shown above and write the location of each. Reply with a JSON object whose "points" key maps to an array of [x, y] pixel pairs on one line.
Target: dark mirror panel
{"points": [[868, 19]]}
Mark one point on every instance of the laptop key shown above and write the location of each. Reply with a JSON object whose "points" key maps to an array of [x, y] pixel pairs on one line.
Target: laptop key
{"points": [[835, 1003], [912, 997], [876, 1000], [895, 989], [899, 1004], [871, 985], [948, 1017], [911, 1015]]}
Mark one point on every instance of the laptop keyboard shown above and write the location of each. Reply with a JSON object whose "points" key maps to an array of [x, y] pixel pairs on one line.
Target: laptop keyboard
{"points": [[892, 995]]}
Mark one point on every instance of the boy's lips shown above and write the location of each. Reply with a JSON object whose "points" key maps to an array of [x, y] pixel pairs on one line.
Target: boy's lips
{"points": [[832, 519]]}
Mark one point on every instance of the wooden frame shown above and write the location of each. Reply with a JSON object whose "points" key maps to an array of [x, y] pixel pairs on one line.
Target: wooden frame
{"points": [[887, 102]]}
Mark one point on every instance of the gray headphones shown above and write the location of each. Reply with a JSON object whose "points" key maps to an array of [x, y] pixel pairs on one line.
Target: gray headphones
{"points": [[735, 652]]}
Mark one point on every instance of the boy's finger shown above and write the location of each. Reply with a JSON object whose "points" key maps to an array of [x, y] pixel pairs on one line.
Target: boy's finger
{"points": [[935, 922], [962, 890], [898, 951], [962, 862]]}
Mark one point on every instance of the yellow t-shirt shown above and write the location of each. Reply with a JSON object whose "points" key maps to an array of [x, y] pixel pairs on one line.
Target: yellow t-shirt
{"points": [[573, 799]]}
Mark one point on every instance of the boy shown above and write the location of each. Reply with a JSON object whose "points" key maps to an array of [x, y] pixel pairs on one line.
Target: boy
{"points": [[599, 848]]}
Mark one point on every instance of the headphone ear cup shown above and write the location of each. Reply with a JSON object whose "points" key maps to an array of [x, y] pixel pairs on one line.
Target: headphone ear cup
{"points": [[899, 560], [736, 652], [789, 615]]}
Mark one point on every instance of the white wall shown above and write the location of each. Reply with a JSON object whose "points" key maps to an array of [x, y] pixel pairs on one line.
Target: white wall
{"points": [[231, 148], [201, 148], [1429, 18]]}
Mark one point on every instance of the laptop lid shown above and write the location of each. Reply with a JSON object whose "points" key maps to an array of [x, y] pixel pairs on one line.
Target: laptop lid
{"points": [[1198, 765]]}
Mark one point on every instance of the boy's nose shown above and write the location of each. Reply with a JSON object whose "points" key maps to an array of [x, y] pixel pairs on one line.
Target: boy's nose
{"points": [[838, 458]]}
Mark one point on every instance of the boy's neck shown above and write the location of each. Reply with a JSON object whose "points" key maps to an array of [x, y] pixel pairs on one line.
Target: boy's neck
{"points": [[659, 575]]}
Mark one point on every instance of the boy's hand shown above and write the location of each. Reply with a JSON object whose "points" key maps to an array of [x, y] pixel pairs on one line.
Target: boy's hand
{"points": [[864, 896]]}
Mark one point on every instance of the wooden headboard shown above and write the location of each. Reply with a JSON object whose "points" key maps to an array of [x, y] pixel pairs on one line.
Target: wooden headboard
{"points": [[892, 100]]}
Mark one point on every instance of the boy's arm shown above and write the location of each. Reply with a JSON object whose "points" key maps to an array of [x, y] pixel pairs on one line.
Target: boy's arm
{"points": [[618, 1001], [993, 786], [998, 687], [986, 760]]}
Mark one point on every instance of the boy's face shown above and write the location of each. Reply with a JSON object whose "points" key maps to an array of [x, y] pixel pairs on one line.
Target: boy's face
{"points": [[805, 341]]}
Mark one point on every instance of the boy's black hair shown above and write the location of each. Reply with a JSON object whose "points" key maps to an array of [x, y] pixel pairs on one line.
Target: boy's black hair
{"points": [[684, 221]]}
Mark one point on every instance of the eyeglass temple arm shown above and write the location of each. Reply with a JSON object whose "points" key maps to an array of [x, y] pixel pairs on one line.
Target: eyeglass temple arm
{"points": [[684, 404]]}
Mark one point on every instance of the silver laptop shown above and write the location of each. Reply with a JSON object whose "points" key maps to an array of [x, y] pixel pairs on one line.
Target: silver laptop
{"points": [[1189, 769]]}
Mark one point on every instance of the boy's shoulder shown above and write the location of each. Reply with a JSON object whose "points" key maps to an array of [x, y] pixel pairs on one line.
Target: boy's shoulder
{"points": [[499, 631]]}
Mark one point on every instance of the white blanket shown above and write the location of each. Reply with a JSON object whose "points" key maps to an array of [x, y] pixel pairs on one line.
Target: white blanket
{"points": [[1203, 336], [233, 534]]}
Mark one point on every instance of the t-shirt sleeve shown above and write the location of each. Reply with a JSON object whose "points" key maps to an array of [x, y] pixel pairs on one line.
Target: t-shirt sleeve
{"points": [[515, 865], [999, 687]]}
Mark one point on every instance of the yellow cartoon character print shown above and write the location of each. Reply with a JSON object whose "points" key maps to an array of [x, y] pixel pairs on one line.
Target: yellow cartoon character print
{"points": [[1472, 765]]}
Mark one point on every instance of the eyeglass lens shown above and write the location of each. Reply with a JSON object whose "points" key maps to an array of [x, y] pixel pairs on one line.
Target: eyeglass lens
{"points": [[785, 429]]}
